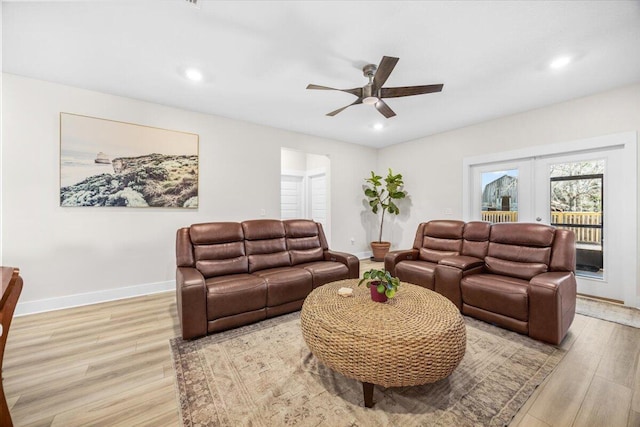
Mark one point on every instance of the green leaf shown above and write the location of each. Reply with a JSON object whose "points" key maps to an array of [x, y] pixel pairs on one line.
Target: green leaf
{"points": [[381, 288], [390, 293]]}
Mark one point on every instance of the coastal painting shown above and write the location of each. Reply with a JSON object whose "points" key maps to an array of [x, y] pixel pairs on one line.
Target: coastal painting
{"points": [[111, 163]]}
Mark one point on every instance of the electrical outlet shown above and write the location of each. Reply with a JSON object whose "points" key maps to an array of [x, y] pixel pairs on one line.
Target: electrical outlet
{"points": [[353, 240], [447, 211], [263, 212]]}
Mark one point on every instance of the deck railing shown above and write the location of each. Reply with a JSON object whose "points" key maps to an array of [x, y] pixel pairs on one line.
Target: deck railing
{"points": [[500, 216], [583, 235]]}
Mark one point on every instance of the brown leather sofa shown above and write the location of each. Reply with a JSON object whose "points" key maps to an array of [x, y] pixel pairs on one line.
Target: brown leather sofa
{"points": [[234, 273], [516, 275]]}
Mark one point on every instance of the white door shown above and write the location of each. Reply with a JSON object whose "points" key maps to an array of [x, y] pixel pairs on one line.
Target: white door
{"points": [[318, 206], [291, 197], [587, 186], [586, 193]]}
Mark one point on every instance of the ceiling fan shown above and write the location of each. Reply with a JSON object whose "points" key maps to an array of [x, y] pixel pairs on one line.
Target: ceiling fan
{"points": [[373, 92]]}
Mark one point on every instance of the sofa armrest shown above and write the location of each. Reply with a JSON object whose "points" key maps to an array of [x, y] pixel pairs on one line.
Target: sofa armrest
{"points": [[191, 296], [450, 271], [462, 262], [351, 261], [392, 258], [552, 305]]}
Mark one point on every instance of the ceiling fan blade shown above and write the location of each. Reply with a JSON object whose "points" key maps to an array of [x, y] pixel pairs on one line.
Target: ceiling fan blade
{"points": [[355, 91], [312, 86], [395, 92], [385, 68], [384, 109], [333, 113]]}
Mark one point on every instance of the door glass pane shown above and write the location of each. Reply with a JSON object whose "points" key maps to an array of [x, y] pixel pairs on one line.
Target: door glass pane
{"points": [[577, 192], [500, 196]]}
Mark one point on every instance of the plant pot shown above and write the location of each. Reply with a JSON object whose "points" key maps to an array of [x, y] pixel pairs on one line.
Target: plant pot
{"points": [[375, 295], [379, 250]]}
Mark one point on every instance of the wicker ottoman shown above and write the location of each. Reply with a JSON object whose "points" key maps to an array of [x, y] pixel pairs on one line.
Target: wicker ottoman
{"points": [[418, 337]]}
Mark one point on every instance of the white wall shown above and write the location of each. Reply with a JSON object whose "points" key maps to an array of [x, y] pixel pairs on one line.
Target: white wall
{"points": [[79, 255], [432, 166]]}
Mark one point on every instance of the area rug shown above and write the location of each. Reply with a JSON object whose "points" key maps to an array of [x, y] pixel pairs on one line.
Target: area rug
{"points": [[608, 311], [264, 375]]}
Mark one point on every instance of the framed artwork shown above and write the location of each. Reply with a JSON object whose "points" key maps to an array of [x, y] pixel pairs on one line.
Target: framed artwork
{"points": [[110, 163]]}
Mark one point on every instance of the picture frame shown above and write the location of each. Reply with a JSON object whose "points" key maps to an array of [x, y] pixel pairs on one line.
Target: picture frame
{"points": [[118, 164]]}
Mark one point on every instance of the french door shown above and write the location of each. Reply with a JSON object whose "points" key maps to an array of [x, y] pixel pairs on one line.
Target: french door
{"points": [[590, 191]]}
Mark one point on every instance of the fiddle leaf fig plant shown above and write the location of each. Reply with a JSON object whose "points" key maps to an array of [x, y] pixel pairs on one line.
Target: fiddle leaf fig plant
{"points": [[383, 280], [382, 193]]}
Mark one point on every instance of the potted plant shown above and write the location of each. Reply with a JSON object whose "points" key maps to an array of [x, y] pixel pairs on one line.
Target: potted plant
{"points": [[381, 195], [381, 283]]}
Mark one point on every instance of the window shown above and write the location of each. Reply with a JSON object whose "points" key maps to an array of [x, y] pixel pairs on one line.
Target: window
{"points": [[576, 203], [500, 196]]}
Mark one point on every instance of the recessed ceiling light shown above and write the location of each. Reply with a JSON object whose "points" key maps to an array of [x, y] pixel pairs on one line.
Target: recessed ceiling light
{"points": [[193, 74], [378, 126], [560, 62]]}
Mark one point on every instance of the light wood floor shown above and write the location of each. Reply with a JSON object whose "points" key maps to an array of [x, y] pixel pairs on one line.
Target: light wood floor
{"points": [[110, 364]]}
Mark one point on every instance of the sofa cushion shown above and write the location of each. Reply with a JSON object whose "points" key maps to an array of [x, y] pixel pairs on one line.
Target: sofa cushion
{"points": [[222, 267], [286, 284], [325, 271], [261, 229], [269, 260], [218, 249], [523, 262], [215, 232], [498, 294], [475, 240], [522, 234], [444, 229], [521, 270], [234, 294], [295, 228], [265, 244], [440, 239], [303, 241], [435, 256], [309, 255], [420, 273]]}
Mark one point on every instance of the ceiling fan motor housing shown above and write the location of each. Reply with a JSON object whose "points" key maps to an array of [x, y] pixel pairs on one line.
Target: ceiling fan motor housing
{"points": [[367, 92], [369, 70]]}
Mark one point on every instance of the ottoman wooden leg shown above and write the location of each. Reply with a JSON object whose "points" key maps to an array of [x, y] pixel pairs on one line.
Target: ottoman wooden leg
{"points": [[367, 389]]}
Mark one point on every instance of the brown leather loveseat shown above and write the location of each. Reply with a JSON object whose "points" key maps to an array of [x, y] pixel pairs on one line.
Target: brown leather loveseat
{"points": [[234, 273], [516, 275]]}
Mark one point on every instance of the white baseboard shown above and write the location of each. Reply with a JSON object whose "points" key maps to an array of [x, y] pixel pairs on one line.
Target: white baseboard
{"points": [[363, 255], [50, 304]]}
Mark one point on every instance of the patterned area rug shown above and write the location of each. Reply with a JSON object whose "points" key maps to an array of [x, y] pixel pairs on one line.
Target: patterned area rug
{"points": [[264, 375], [608, 311]]}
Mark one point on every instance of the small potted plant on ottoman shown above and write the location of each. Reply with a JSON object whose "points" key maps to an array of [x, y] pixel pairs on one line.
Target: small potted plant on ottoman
{"points": [[382, 284]]}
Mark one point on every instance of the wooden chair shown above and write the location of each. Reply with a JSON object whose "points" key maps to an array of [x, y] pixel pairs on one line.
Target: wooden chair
{"points": [[11, 288]]}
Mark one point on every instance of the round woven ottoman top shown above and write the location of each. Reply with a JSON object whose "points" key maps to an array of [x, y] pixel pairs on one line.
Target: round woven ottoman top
{"points": [[417, 337]]}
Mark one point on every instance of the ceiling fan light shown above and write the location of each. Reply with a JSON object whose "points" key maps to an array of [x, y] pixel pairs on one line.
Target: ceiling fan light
{"points": [[370, 100], [560, 62], [193, 74]]}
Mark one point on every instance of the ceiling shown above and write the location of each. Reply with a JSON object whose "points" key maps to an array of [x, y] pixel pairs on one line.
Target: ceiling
{"points": [[257, 57]]}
